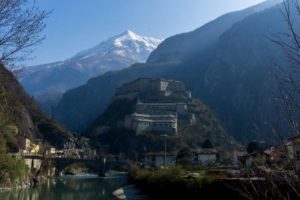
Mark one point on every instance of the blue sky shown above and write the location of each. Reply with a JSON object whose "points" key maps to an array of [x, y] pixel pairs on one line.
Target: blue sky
{"points": [[75, 25]]}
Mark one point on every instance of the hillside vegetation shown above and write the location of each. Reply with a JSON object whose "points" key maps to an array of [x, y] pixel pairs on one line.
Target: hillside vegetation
{"points": [[20, 115], [108, 131]]}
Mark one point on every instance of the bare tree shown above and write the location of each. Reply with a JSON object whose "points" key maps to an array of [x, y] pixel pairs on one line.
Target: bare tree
{"points": [[21, 23], [281, 180], [288, 76], [285, 185]]}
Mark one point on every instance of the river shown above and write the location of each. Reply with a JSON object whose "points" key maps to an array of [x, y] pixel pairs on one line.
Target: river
{"points": [[84, 187]]}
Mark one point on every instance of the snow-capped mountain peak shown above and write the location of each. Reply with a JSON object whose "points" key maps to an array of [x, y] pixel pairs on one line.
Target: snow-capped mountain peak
{"points": [[127, 44], [130, 35], [118, 52]]}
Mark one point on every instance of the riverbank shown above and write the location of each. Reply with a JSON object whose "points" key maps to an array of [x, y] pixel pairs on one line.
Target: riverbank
{"points": [[176, 182], [13, 172], [28, 183], [129, 192], [19, 187], [70, 188]]}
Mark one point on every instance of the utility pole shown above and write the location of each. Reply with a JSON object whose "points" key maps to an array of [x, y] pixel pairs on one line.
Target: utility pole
{"points": [[165, 149]]}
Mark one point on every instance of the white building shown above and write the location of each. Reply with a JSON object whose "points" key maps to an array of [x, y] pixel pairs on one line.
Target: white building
{"points": [[204, 156], [157, 160], [141, 123], [165, 102]]}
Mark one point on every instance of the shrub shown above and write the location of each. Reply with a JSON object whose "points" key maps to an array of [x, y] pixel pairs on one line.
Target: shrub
{"points": [[12, 170]]}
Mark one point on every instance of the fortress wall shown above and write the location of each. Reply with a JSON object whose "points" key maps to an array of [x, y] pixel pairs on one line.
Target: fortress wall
{"points": [[151, 85]]}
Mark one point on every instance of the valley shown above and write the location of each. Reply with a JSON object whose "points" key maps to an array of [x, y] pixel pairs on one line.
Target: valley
{"points": [[211, 109]]}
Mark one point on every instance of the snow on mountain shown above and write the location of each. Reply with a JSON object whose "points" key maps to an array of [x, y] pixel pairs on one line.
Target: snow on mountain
{"points": [[128, 44], [116, 53]]}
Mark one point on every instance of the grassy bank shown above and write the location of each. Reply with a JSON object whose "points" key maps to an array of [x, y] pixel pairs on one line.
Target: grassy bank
{"points": [[13, 172], [176, 182]]}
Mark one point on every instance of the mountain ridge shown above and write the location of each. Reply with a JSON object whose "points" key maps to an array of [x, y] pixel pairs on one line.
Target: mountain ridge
{"points": [[231, 76], [47, 82], [26, 116], [180, 46]]}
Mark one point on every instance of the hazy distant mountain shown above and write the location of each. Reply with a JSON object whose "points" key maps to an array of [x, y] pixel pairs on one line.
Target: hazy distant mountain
{"points": [[182, 46], [48, 82], [229, 71]]}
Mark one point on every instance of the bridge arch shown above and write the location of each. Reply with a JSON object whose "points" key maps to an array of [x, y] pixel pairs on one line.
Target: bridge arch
{"points": [[97, 166], [100, 165]]}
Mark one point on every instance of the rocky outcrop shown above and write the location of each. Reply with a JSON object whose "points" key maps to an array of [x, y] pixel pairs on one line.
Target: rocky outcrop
{"points": [[151, 108]]}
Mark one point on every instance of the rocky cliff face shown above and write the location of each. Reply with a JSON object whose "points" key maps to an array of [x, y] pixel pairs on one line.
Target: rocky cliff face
{"points": [[24, 114]]}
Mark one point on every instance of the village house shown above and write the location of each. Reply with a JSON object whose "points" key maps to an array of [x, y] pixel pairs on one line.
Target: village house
{"points": [[271, 156], [157, 160], [247, 160], [27, 146], [52, 151], [24, 144], [274, 155], [237, 154], [292, 148], [204, 156], [254, 159]]}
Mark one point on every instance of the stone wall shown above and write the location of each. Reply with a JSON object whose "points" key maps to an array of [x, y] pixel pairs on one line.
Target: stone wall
{"points": [[33, 163], [161, 99], [150, 85], [179, 108]]}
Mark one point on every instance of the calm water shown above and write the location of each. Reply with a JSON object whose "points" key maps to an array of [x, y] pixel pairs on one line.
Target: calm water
{"points": [[69, 188]]}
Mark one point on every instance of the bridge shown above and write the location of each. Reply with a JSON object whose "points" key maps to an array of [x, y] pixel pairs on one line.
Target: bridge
{"points": [[99, 165]]}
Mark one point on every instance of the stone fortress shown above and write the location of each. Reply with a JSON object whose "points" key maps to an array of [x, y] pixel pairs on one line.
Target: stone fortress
{"points": [[147, 87], [161, 104]]}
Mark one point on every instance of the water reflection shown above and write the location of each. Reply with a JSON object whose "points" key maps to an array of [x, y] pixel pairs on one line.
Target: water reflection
{"points": [[69, 188]]}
